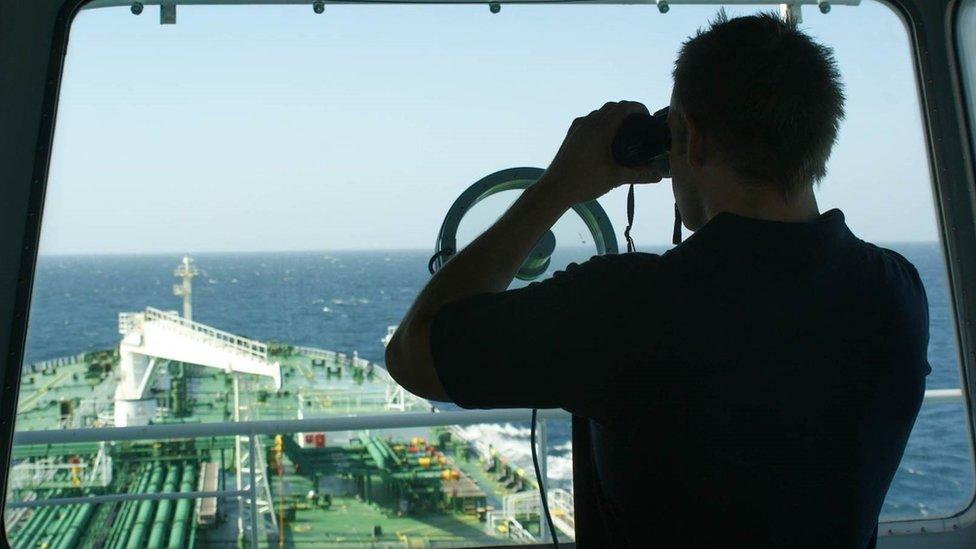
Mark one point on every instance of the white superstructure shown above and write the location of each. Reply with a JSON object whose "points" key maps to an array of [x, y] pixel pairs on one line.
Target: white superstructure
{"points": [[153, 335]]}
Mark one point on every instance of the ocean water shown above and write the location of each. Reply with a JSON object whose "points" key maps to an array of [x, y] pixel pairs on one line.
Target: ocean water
{"points": [[344, 301]]}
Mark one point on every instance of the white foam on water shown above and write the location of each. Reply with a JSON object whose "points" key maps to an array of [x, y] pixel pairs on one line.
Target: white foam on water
{"points": [[560, 468], [509, 440], [564, 447], [513, 442]]}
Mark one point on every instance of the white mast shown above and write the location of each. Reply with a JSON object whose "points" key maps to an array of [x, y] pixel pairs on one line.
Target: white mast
{"points": [[186, 271]]}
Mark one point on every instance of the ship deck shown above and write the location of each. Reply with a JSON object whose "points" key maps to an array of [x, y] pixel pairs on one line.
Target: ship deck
{"points": [[426, 487]]}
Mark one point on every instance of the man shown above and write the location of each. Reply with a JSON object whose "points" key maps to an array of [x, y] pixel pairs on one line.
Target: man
{"points": [[755, 386]]}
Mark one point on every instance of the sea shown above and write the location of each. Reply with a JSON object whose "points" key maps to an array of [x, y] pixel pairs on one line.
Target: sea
{"points": [[345, 300]]}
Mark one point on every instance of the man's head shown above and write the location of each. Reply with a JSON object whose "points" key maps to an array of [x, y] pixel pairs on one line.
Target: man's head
{"points": [[755, 108]]}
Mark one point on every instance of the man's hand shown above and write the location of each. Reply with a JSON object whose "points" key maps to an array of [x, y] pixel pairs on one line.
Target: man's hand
{"points": [[583, 168]]}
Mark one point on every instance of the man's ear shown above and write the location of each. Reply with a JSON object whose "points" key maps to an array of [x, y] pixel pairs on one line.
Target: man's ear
{"points": [[695, 143]]}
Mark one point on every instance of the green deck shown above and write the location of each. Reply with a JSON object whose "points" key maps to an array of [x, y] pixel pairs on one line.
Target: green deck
{"points": [[379, 494]]}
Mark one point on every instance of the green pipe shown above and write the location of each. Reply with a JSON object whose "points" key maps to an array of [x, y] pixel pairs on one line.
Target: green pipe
{"points": [[126, 514], [77, 526], [125, 509], [69, 519], [39, 520], [192, 542], [387, 451], [43, 519], [60, 449], [30, 525], [376, 453], [183, 514], [417, 475], [163, 509], [58, 525], [122, 527], [145, 510], [35, 523], [15, 535]]}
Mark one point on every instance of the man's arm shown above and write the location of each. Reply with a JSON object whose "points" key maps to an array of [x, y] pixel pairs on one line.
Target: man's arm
{"points": [[582, 170], [488, 264]]}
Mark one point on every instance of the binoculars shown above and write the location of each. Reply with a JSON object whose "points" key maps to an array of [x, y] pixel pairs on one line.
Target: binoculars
{"points": [[644, 140]]}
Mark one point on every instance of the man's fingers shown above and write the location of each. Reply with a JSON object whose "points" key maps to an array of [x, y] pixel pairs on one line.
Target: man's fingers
{"points": [[610, 113], [576, 124], [634, 106], [609, 117], [625, 109], [606, 112]]}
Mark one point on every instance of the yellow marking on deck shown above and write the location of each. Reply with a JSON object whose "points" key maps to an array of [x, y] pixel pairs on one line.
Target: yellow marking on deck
{"points": [[305, 371], [422, 530], [22, 406]]}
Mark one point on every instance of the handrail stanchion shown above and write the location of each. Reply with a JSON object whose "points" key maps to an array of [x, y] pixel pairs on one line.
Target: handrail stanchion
{"points": [[254, 490]]}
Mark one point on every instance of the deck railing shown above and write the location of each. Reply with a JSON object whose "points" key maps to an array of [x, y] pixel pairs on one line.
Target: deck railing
{"points": [[251, 429], [226, 339], [54, 363]]}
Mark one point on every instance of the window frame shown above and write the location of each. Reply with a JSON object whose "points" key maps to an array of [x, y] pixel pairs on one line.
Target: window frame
{"points": [[41, 28]]}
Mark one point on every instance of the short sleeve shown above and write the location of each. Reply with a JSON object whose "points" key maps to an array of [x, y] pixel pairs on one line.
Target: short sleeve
{"points": [[553, 344]]}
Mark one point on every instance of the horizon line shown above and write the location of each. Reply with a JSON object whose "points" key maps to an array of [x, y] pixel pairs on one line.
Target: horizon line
{"points": [[345, 250]]}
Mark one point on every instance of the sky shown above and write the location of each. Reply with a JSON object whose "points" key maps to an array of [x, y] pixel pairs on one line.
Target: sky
{"points": [[272, 128]]}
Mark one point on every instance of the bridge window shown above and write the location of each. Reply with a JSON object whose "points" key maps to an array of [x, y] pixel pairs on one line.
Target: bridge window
{"points": [[302, 164], [967, 53]]}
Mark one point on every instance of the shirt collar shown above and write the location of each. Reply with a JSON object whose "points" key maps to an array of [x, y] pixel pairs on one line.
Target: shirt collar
{"points": [[828, 228]]}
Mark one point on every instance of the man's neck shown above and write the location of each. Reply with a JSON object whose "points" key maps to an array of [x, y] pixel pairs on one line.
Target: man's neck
{"points": [[765, 203]]}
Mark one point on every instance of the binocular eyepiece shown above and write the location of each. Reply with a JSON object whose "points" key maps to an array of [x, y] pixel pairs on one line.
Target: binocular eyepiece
{"points": [[644, 140]]}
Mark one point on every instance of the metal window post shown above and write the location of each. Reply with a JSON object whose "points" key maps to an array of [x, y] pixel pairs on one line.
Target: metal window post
{"points": [[543, 452], [544, 473]]}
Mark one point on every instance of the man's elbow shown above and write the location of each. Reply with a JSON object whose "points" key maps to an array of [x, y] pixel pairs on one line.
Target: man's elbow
{"points": [[400, 361], [405, 362], [395, 357]]}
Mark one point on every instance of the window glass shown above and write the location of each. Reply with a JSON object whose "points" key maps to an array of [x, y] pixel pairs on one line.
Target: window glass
{"points": [[303, 164], [879, 176], [966, 41]]}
